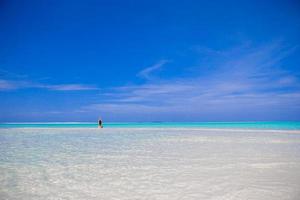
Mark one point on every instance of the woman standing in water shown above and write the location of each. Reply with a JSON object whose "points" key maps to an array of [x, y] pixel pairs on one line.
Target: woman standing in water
{"points": [[100, 123]]}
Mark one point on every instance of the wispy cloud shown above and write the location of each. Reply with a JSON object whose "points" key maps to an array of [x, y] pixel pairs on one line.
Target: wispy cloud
{"points": [[249, 79], [70, 87], [7, 85], [148, 72], [14, 81]]}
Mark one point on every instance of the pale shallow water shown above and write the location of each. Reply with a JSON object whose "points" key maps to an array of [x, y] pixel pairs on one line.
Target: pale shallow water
{"points": [[149, 163]]}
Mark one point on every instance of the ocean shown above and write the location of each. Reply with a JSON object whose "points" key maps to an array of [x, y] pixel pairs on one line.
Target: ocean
{"points": [[151, 161], [216, 125]]}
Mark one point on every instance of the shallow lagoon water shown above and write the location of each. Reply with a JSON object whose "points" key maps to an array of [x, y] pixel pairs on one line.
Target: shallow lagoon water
{"points": [[149, 163], [276, 125]]}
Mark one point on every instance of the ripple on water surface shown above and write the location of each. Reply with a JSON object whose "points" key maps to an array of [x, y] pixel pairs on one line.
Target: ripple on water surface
{"points": [[148, 164]]}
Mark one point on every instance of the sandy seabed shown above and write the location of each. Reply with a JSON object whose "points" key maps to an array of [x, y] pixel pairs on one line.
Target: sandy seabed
{"points": [[144, 163]]}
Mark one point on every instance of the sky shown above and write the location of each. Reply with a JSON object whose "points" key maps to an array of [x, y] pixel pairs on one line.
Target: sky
{"points": [[145, 61]]}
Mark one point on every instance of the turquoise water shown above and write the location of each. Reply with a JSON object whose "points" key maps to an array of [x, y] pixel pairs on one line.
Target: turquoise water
{"points": [[229, 125]]}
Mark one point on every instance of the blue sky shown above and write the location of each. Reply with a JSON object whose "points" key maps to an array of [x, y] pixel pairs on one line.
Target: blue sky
{"points": [[149, 60]]}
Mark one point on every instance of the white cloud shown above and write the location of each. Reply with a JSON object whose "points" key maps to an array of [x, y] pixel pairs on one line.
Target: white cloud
{"points": [[147, 72], [70, 87], [6, 85], [247, 80]]}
